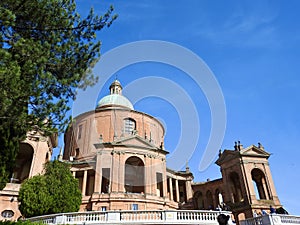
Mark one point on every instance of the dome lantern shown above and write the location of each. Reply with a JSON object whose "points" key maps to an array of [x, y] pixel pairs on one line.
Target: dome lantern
{"points": [[116, 88]]}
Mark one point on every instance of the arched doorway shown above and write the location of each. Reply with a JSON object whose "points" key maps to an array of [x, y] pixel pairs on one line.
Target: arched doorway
{"points": [[23, 163], [219, 200], [198, 200], [209, 200], [134, 175]]}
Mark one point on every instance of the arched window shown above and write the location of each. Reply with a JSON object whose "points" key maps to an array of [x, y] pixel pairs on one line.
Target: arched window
{"points": [[129, 126], [235, 186], [260, 185], [134, 175]]}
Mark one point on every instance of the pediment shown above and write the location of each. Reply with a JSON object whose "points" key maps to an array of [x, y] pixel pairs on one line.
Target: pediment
{"points": [[254, 151], [135, 141], [251, 151], [227, 155]]}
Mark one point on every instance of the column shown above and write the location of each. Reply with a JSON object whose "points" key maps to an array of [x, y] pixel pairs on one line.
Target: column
{"points": [[171, 188], [153, 176], [177, 190], [122, 172], [74, 173], [148, 175], [270, 188], [114, 174], [98, 175], [189, 191], [265, 189], [84, 182], [165, 180]]}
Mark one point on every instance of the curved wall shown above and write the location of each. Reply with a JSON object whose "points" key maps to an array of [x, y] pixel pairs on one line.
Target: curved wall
{"points": [[109, 125]]}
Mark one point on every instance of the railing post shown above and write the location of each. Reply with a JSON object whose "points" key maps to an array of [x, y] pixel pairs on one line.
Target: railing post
{"points": [[266, 220], [275, 219], [60, 219], [170, 216], [113, 217]]}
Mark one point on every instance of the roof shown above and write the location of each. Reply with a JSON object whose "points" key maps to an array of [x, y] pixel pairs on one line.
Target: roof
{"points": [[115, 100]]}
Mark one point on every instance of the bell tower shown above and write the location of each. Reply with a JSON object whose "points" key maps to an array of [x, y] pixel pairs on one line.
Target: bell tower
{"points": [[248, 180]]}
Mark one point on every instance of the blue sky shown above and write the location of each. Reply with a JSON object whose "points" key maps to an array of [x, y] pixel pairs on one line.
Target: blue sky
{"points": [[252, 48]]}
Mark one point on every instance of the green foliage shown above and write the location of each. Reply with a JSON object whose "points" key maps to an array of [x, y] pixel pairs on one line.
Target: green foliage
{"points": [[54, 192], [20, 222], [63, 188], [34, 195], [46, 52]]}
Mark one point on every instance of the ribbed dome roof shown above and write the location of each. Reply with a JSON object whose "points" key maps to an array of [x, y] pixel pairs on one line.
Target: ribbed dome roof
{"points": [[115, 98], [116, 82]]}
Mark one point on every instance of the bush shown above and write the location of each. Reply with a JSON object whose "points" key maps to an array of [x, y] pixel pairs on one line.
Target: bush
{"points": [[54, 192]]}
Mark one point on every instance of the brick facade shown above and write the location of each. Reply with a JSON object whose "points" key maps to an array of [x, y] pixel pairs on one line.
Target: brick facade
{"points": [[118, 156]]}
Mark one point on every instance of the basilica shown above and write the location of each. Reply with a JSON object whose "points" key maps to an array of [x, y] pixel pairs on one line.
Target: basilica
{"points": [[118, 156]]}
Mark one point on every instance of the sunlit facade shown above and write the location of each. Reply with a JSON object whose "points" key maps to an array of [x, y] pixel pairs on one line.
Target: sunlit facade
{"points": [[119, 158], [34, 152]]}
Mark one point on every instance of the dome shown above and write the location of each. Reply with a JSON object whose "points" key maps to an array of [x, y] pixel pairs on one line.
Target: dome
{"points": [[115, 100]]}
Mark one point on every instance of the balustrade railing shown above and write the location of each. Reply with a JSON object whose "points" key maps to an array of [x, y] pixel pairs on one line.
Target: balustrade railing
{"points": [[272, 219], [290, 219], [253, 221], [48, 219], [86, 217], [129, 217], [197, 215], [141, 216]]}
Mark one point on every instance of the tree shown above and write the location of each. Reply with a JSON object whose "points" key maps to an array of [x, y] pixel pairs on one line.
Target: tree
{"points": [[34, 195], [46, 52], [54, 192]]}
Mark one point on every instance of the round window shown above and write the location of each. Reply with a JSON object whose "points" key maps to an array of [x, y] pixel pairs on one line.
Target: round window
{"points": [[7, 214]]}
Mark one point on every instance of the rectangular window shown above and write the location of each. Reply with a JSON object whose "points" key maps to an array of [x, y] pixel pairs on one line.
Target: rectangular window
{"points": [[103, 208], [159, 184], [182, 191], [90, 183], [105, 180], [79, 131], [79, 176], [135, 207]]}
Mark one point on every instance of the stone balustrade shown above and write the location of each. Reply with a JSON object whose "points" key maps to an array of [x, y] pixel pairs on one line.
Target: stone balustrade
{"points": [[272, 219], [133, 217]]}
